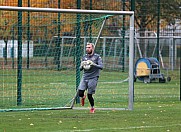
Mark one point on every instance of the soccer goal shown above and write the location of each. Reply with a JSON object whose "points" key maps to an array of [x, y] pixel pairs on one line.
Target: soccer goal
{"points": [[49, 78]]}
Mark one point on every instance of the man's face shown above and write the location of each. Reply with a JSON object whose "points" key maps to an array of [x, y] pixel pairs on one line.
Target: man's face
{"points": [[89, 49]]}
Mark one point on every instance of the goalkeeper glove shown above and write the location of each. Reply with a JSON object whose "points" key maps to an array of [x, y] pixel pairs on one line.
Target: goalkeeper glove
{"points": [[91, 62], [82, 64]]}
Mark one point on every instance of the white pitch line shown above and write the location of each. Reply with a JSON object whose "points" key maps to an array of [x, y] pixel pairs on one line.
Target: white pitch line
{"points": [[116, 81], [84, 108], [58, 83], [123, 128]]}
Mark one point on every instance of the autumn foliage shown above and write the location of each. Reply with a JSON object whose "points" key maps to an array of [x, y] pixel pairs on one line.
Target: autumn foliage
{"points": [[42, 22]]}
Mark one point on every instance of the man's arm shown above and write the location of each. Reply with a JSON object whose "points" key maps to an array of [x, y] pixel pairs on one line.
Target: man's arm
{"points": [[99, 63], [81, 65]]}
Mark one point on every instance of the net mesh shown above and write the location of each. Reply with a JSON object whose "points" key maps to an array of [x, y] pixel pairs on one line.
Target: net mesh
{"points": [[48, 75]]}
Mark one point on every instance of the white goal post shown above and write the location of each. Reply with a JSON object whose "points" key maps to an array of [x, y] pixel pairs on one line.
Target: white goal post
{"points": [[107, 12]]}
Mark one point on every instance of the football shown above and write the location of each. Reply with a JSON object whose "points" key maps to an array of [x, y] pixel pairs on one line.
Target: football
{"points": [[87, 65]]}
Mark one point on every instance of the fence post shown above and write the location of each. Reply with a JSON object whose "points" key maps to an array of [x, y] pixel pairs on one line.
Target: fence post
{"points": [[19, 75], [158, 29]]}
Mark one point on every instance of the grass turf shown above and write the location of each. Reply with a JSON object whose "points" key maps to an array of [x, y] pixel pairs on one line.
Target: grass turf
{"points": [[156, 108], [146, 116]]}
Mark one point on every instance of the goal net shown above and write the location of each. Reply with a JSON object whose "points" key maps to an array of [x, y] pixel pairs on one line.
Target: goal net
{"points": [[40, 53]]}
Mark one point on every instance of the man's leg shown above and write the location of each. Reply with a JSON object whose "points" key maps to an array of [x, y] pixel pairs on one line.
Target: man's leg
{"points": [[82, 88], [81, 94], [91, 100], [91, 90]]}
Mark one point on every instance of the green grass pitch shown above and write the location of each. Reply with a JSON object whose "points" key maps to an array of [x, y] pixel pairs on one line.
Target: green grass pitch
{"points": [[156, 108]]}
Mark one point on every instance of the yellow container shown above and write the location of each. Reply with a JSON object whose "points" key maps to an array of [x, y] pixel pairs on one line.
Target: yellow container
{"points": [[142, 69]]}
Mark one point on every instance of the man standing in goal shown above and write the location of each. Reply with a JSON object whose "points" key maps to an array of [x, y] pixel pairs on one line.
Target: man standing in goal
{"points": [[91, 64]]}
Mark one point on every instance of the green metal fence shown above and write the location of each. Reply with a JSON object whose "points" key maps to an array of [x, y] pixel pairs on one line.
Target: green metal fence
{"points": [[157, 34]]}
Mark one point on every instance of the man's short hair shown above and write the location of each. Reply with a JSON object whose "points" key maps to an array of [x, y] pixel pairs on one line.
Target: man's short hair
{"points": [[93, 45]]}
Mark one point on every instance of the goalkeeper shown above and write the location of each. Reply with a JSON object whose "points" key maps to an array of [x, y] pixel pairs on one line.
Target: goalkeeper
{"points": [[91, 65]]}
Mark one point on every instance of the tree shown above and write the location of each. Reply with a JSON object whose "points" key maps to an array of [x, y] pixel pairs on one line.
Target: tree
{"points": [[171, 10], [146, 13]]}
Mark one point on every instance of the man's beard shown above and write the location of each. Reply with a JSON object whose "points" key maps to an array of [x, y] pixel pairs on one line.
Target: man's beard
{"points": [[89, 53]]}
